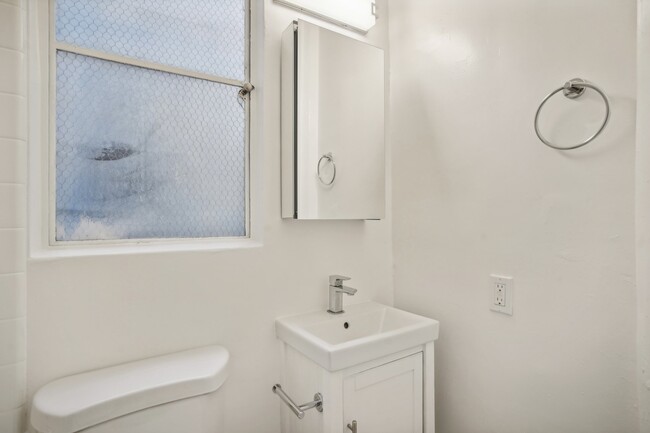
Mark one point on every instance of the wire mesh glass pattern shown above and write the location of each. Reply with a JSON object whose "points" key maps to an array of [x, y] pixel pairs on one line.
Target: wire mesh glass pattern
{"points": [[146, 154], [201, 35]]}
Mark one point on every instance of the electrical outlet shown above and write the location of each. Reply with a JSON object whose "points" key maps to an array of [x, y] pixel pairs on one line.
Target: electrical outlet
{"points": [[500, 294], [501, 291]]}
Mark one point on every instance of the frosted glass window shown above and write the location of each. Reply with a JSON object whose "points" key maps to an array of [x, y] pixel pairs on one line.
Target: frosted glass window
{"points": [[151, 123], [201, 35], [146, 154]]}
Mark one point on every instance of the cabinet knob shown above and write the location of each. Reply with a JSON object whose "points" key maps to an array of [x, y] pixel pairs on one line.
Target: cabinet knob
{"points": [[353, 426]]}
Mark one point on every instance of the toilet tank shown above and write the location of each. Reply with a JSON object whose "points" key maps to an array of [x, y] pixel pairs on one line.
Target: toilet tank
{"points": [[166, 394]]}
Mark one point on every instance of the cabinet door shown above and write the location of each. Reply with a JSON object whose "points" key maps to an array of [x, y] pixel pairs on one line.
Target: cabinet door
{"points": [[385, 399]]}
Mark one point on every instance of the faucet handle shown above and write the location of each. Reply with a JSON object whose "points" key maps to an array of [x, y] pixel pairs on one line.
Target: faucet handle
{"points": [[337, 280]]}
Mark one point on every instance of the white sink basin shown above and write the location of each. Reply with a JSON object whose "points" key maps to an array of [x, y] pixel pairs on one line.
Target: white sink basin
{"points": [[364, 332]]}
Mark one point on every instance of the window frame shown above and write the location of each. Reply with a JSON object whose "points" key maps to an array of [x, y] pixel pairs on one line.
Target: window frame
{"points": [[43, 47]]}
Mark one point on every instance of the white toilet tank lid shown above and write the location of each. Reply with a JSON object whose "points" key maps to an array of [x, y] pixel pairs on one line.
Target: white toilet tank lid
{"points": [[76, 402]]}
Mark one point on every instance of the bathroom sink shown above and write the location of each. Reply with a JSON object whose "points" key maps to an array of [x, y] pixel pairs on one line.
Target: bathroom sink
{"points": [[362, 333]]}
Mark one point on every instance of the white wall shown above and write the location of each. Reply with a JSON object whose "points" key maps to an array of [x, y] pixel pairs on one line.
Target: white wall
{"points": [[476, 193], [13, 169], [92, 312], [643, 214]]}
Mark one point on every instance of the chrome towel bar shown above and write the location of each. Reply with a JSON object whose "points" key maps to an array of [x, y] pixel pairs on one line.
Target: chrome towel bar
{"points": [[573, 89], [299, 410]]}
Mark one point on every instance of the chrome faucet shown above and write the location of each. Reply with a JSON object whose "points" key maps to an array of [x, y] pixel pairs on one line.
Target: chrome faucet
{"points": [[337, 289]]}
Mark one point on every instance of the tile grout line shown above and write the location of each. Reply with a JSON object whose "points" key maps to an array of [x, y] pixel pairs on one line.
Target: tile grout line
{"points": [[13, 410], [15, 50], [23, 317], [12, 363], [9, 364], [23, 140], [22, 361], [2, 2], [17, 95]]}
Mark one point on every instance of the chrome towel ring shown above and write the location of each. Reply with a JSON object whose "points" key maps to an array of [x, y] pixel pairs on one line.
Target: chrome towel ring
{"points": [[573, 89], [330, 158]]}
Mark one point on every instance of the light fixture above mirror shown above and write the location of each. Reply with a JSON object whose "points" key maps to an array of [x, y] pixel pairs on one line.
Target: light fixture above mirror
{"points": [[358, 15]]}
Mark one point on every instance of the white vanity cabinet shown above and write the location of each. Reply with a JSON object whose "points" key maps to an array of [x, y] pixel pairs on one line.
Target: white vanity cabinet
{"points": [[371, 363], [393, 394], [386, 399]]}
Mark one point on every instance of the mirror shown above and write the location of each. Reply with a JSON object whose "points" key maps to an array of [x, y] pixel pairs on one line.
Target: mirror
{"points": [[333, 158]]}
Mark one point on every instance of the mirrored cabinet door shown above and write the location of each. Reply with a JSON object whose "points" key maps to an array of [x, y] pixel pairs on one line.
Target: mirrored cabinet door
{"points": [[333, 156]]}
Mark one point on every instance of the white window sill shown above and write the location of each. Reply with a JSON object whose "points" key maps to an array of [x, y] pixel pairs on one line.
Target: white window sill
{"points": [[144, 247]]}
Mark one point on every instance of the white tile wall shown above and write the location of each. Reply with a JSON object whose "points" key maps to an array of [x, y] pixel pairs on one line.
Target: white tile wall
{"points": [[13, 216], [12, 250], [13, 164], [12, 293], [13, 133], [12, 420], [12, 376], [12, 333], [12, 76], [12, 115], [11, 34]]}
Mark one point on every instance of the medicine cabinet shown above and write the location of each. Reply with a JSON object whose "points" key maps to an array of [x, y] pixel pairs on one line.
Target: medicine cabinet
{"points": [[333, 156]]}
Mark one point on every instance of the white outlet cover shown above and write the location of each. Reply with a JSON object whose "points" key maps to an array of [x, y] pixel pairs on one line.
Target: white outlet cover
{"points": [[508, 283]]}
